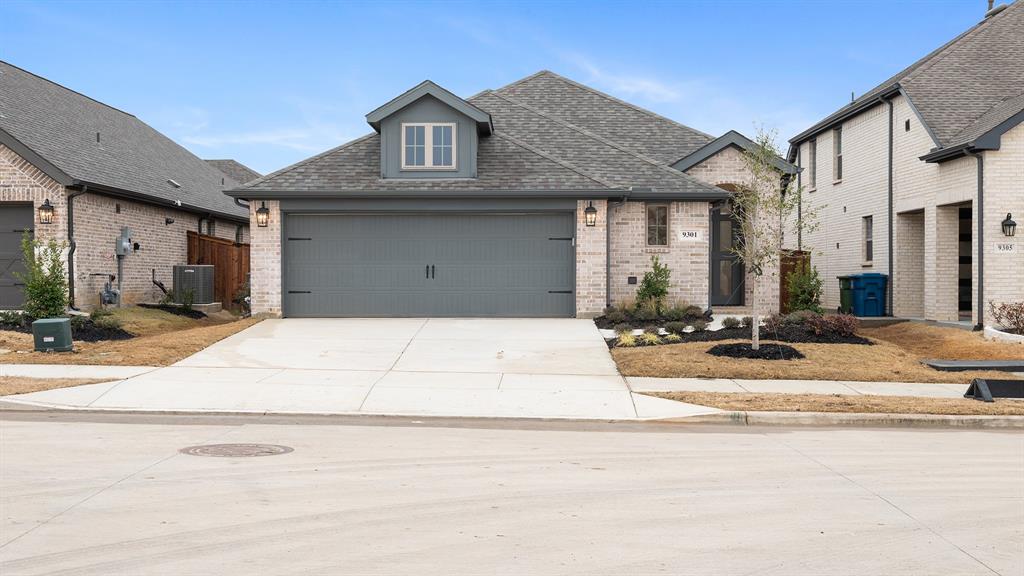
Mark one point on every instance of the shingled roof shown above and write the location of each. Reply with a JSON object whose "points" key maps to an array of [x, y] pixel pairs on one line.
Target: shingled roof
{"points": [[960, 84], [235, 170], [78, 140], [550, 134]]}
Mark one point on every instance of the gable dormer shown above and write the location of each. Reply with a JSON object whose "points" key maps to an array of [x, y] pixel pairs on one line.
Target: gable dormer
{"points": [[428, 132]]}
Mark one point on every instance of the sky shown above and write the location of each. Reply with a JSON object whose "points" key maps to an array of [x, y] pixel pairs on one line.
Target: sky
{"points": [[269, 83]]}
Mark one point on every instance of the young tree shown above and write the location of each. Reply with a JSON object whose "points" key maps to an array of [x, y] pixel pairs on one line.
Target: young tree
{"points": [[764, 208], [46, 284]]}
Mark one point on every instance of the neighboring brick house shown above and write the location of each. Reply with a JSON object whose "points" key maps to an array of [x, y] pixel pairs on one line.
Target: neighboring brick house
{"points": [[100, 169], [541, 198], [915, 178]]}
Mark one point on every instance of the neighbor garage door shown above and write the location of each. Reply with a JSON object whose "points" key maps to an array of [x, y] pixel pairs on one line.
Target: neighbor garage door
{"points": [[429, 264], [15, 220]]}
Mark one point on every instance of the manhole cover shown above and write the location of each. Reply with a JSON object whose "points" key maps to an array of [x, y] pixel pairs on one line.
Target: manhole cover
{"points": [[236, 450]]}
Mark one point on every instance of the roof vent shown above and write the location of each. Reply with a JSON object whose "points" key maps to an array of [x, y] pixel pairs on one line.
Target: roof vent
{"points": [[173, 183], [993, 11]]}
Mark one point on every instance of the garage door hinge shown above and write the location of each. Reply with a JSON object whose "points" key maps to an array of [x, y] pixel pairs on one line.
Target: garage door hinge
{"points": [[300, 292]]}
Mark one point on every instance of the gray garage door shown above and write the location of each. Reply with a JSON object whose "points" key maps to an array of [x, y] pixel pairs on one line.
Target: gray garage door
{"points": [[15, 219], [429, 265]]}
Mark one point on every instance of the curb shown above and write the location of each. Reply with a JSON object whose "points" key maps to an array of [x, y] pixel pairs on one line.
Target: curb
{"points": [[853, 419]]}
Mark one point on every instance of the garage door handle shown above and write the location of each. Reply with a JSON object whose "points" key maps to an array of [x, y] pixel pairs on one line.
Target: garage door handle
{"points": [[426, 271], [432, 276]]}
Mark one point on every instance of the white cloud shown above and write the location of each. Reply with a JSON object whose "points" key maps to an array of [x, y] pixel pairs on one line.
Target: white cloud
{"points": [[304, 139], [628, 85]]}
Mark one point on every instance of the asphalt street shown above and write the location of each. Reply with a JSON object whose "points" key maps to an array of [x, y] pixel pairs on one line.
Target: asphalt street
{"points": [[113, 494]]}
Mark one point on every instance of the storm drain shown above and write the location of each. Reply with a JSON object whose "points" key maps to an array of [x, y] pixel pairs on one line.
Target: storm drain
{"points": [[236, 450]]}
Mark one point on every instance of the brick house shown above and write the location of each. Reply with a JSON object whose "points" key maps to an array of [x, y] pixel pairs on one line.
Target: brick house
{"points": [[100, 169], [542, 198], [915, 178]]}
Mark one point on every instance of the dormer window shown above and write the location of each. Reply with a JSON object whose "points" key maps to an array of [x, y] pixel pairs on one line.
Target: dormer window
{"points": [[429, 146]]}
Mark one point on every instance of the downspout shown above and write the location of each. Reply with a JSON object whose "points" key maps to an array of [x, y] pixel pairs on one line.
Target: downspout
{"points": [[72, 245], [608, 246], [981, 239], [889, 285], [799, 200]]}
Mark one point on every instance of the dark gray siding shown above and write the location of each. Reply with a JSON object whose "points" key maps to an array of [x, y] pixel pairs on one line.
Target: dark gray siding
{"points": [[427, 109]]}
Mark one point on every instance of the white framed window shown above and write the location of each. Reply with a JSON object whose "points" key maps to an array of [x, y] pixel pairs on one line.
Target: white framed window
{"points": [[868, 239], [429, 146], [657, 225], [837, 154]]}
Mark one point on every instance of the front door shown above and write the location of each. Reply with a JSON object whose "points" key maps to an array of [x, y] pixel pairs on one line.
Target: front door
{"points": [[726, 268]]}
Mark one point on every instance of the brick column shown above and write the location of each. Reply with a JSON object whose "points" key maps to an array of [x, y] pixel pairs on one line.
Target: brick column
{"points": [[265, 260], [942, 261], [591, 260]]}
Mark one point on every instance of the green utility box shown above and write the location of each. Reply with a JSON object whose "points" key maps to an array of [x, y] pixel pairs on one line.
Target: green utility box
{"points": [[52, 334], [846, 294]]}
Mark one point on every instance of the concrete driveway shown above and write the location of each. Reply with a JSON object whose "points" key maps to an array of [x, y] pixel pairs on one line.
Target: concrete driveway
{"points": [[535, 368]]}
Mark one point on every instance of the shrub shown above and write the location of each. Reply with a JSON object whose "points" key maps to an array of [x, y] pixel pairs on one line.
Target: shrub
{"points": [[774, 322], [843, 324], [801, 317], [627, 340], [747, 322], [694, 311], [99, 312], [187, 299], [673, 338], [623, 327], [647, 311], [649, 339], [12, 318], [675, 313], [699, 325], [730, 322], [675, 327], [654, 286], [45, 284], [108, 321], [78, 322], [614, 314], [1008, 315], [804, 288]]}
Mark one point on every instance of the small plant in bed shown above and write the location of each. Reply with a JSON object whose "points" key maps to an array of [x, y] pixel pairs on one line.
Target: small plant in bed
{"points": [[765, 352], [798, 327]]}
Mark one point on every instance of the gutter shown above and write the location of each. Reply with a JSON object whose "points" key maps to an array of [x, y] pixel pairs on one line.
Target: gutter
{"points": [[634, 194], [608, 246], [117, 192], [981, 240], [844, 113], [72, 245]]}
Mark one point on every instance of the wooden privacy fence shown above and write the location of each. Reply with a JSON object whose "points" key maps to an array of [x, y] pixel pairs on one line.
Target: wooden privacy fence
{"points": [[790, 261], [230, 262]]}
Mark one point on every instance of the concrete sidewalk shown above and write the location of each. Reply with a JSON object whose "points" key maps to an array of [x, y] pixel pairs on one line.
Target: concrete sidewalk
{"points": [[73, 371], [841, 387]]}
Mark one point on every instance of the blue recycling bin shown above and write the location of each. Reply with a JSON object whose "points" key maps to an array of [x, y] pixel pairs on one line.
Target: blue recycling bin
{"points": [[868, 298]]}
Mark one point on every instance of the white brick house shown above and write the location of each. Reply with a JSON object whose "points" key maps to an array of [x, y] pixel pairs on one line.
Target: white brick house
{"points": [[541, 198], [101, 169], [914, 178]]}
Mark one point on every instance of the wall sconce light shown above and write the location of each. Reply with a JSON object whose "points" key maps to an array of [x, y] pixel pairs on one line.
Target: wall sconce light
{"points": [[168, 221], [591, 215], [1009, 226], [262, 215], [46, 212]]}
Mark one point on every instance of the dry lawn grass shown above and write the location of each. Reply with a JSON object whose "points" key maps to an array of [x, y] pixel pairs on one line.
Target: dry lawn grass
{"points": [[18, 385], [163, 339], [855, 404], [929, 341], [883, 362]]}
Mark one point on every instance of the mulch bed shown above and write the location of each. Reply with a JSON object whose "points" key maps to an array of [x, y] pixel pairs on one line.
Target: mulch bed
{"points": [[176, 310], [791, 333], [82, 331], [764, 352], [604, 323]]}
